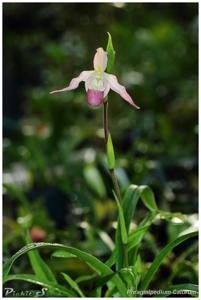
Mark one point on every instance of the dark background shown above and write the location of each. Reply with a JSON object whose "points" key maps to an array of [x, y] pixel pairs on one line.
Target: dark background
{"points": [[53, 144]]}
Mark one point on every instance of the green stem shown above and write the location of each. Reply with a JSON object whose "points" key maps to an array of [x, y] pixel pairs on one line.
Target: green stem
{"points": [[112, 171], [115, 184], [105, 121]]}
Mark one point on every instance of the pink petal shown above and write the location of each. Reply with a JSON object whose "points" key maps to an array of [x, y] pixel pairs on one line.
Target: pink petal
{"points": [[95, 98], [75, 82], [100, 60], [120, 89]]}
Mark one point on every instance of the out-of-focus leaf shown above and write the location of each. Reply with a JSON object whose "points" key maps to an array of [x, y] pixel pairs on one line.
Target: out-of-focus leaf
{"points": [[122, 178], [18, 195], [94, 180]]}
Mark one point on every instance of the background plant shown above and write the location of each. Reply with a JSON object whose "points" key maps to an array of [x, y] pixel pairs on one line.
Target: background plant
{"points": [[59, 165]]}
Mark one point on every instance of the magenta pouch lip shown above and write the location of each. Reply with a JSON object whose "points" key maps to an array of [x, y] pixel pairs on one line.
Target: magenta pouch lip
{"points": [[95, 98]]}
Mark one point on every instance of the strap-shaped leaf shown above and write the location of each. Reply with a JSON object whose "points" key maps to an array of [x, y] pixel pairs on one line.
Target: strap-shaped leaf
{"points": [[98, 266], [39, 266], [147, 197], [92, 261], [53, 288], [159, 258], [136, 236], [130, 200], [124, 235], [73, 284]]}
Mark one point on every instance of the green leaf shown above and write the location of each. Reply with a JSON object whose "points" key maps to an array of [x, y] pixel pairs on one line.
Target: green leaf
{"points": [[62, 254], [89, 259], [111, 260], [138, 267], [119, 251], [92, 261], [73, 284], [129, 277], [40, 268], [110, 54], [103, 280], [84, 278], [54, 288], [159, 258], [130, 200], [148, 197], [121, 221], [110, 292], [167, 215], [128, 204], [119, 285], [136, 237], [94, 180], [110, 153], [146, 222]]}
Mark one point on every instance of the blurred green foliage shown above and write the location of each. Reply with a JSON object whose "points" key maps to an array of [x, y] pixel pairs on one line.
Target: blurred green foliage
{"points": [[53, 144]]}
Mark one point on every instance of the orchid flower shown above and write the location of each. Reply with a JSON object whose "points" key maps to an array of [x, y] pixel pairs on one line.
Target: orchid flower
{"points": [[98, 82]]}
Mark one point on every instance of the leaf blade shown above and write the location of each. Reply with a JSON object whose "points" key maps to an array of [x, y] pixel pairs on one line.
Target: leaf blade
{"points": [[124, 235], [129, 203], [73, 284], [159, 258], [101, 268], [58, 289], [39, 266], [148, 198]]}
